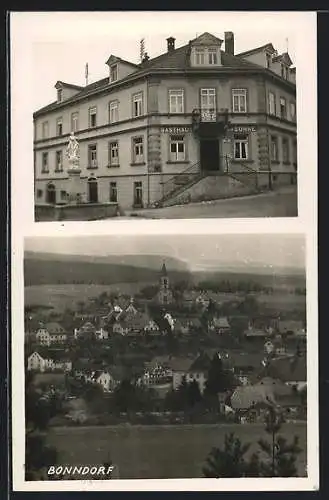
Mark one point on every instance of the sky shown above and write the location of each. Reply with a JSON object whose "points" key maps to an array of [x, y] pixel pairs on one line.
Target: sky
{"points": [[63, 42], [198, 251]]}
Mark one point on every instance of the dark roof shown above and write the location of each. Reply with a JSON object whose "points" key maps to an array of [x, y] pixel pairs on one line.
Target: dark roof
{"points": [[69, 85], [267, 46]]}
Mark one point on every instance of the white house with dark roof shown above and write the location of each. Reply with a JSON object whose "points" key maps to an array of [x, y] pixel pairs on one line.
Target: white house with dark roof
{"points": [[193, 110]]}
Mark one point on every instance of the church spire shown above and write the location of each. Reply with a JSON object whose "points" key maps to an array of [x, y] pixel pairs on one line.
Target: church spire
{"points": [[164, 269]]}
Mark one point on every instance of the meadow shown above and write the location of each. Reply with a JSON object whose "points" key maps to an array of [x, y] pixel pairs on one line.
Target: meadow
{"points": [[159, 452]]}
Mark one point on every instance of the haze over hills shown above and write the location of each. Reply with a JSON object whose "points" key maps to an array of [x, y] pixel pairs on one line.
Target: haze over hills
{"points": [[51, 268]]}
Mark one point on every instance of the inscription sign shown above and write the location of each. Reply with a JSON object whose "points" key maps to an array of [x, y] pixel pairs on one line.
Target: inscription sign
{"points": [[208, 116], [175, 130]]}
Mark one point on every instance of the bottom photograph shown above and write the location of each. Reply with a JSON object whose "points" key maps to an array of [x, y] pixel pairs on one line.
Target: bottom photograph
{"points": [[158, 357]]}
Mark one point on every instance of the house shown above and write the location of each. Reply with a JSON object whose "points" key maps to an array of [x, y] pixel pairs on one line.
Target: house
{"points": [[101, 334], [219, 325], [202, 300], [86, 331], [51, 333], [290, 370], [182, 326], [291, 327], [151, 327], [269, 347], [106, 380], [245, 364], [194, 368], [39, 363], [120, 328], [131, 309], [255, 333], [250, 402]]}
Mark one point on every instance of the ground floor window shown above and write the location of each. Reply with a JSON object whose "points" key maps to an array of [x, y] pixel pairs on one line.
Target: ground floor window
{"points": [[113, 192], [274, 148], [241, 149], [177, 148], [138, 193], [39, 193], [63, 195], [285, 150]]}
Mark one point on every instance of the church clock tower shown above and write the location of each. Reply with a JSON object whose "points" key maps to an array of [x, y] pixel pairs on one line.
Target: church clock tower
{"points": [[165, 294]]}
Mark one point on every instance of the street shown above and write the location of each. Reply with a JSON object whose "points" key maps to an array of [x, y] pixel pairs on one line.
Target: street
{"points": [[281, 203]]}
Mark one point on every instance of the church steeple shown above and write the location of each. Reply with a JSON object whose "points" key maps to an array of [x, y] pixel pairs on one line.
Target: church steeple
{"points": [[164, 269], [165, 294]]}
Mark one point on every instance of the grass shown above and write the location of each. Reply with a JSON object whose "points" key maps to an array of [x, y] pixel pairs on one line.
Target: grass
{"points": [[62, 296], [56, 379], [158, 452]]}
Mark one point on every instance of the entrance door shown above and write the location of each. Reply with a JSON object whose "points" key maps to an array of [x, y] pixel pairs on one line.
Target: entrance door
{"points": [[209, 155], [51, 194], [92, 191]]}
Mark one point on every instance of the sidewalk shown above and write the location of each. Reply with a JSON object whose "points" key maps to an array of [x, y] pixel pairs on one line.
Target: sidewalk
{"points": [[279, 203]]}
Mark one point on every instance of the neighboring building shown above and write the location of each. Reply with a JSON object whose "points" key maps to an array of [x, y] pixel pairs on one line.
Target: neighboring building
{"points": [[51, 333], [106, 380], [86, 332], [190, 369], [39, 363], [147, 130], [219, 325], [164, 296], [291, 327], [101, 334]]}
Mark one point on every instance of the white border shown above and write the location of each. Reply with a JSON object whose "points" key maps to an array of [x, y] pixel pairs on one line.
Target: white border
{"points": [[22, 225]]}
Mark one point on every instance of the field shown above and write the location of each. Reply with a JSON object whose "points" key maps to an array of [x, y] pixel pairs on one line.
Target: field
{"points": [[55, 379], [158, 452], [62, 296]]}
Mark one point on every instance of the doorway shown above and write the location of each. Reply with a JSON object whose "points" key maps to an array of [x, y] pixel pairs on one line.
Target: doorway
{"points": [[51, 194], [209, 155], [92, 190]]}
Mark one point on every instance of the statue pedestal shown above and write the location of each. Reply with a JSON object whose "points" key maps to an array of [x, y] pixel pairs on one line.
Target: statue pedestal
{"points": [[76, 187]]}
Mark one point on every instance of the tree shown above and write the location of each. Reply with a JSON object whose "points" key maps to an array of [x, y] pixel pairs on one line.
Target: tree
{"points": [[281, 456], [228, 461], [219, 379]]}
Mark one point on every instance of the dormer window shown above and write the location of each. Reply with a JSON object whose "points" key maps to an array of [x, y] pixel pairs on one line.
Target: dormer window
{"points": [[212, 56], [199, 56], [268, 60], [113, 73], [59, 95]]}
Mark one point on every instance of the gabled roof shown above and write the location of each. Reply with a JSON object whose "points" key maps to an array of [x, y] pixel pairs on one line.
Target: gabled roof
{"points": [[206, 39], [59, 84], [54, 327], [221, 322], [244, 397], [285, 58], [268, 47], [114, 59]]}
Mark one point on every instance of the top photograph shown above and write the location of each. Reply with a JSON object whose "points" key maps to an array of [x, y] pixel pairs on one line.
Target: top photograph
{"points": [[162, 127]]}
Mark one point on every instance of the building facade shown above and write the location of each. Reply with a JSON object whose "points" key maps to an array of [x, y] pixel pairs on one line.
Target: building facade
{"points": [[192, 112]]}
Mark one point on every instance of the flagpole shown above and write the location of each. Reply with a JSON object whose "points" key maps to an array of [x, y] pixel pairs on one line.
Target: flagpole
{"points": [[86, 73]]}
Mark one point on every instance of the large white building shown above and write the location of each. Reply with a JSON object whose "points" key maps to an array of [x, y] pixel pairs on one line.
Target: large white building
{"points": [[151, 130]]}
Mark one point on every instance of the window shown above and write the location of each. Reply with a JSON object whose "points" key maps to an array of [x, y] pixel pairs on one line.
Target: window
{"points": [[92, 117], [59, 161], [63, 195], [138, 193], [274, 149], [114, 153], [293, 111], [208, 104], [239, 100], [113, 192], [45, 130], [138, 104], [271, 100], [283, 107], [113, 73], [282, 71], [45, 166], [138, 150], [113, 111], [75, 121], [177, 148], [268, 60], [59, 127], [39, 193], [92, 156], [212, 56], [285, 150], [199, 56], [241, 147], [176, 101], [59, 95]]}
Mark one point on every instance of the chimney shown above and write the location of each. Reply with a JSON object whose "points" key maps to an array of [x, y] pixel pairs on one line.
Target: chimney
{"points": [[170, 44], [229, 42]]}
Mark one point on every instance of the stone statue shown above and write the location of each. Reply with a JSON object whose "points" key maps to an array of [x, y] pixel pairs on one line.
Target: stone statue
{"points": [[72, 151]]}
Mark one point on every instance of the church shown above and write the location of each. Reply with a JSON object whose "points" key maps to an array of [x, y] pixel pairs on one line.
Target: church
{"points": [[165, 295]]}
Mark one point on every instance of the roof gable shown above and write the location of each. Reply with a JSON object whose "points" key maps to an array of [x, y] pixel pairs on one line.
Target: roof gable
{"points": [[284, 58], [207, 39], [268, 47]]}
